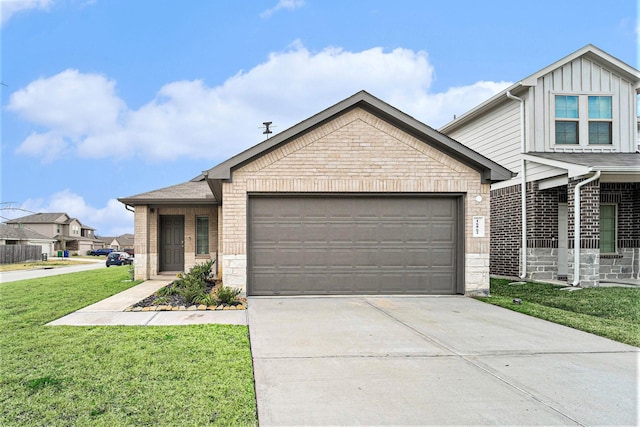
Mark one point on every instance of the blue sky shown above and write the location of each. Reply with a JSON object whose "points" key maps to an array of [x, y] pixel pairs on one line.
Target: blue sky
{"points": [[111, 98]]}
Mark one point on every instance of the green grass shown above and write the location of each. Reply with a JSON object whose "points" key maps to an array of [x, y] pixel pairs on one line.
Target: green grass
{"points": [[115, 375], [609, 312]]}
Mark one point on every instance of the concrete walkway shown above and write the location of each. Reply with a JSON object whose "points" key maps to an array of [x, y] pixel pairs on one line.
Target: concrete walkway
{"points": [[432, 361], [110, 312]]}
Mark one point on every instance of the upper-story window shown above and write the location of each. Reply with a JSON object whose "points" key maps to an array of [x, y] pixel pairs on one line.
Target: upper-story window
{"points": [[583, 120], [600, 119], [75, 229]]}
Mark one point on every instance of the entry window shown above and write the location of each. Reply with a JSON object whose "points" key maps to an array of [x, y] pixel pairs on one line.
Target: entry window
{"points": [[608, 229], [202, 235]]}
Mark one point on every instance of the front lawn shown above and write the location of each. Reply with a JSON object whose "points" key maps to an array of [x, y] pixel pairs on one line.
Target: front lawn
{"points": [[115, 375], [609, 312]]}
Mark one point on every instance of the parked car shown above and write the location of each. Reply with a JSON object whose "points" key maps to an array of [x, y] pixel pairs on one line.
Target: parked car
{"points": [[100, 251], [129, 251], [119, 258]]}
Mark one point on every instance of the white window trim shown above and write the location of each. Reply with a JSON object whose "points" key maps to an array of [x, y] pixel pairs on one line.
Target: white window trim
{"points": [[615, 232], [583, 122]]}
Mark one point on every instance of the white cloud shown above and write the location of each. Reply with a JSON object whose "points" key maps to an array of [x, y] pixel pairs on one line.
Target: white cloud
{"points": [[80, 113], [8, 8], [283, 4], [111, 220]]}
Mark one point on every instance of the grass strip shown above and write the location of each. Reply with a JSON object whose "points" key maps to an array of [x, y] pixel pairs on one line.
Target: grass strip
{"points": [[105, 376], [608, 312]]}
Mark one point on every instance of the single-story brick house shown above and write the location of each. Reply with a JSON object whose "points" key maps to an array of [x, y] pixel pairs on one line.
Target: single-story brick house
{"points": [[358, 199]]}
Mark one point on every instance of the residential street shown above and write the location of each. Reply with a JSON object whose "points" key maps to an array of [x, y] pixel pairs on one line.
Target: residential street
{"points": [[13, 276]]}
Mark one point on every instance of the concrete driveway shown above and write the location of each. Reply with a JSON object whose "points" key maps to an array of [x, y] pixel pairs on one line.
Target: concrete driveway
{"points": [[432, 361]]}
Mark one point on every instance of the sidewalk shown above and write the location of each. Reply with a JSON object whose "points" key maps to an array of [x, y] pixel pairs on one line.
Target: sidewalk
{"points": [[110, 312]]}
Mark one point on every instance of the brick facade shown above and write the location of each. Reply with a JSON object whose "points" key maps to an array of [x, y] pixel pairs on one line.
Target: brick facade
{"points": [[355, 152], [542, 231], [506, 231]]}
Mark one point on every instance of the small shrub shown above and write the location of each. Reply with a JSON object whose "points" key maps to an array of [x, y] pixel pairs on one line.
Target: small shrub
{"points": [[227, 295], [193, 287], [206, 299], [202, 271], [161, 301], [168, 290]]}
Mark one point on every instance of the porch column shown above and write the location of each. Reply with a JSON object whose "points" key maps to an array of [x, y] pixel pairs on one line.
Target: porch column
{"points": [[589, 232], [542, 232], [141, 242]]}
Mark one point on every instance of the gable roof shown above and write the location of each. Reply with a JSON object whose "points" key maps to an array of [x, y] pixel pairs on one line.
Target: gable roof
{"points": [[194, 191], [126, 239], [43, 218], [589, 51], [8, 232], [490, 171]]}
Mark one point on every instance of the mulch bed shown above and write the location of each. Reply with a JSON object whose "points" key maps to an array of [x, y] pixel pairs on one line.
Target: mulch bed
{"points": [[177, 302]]}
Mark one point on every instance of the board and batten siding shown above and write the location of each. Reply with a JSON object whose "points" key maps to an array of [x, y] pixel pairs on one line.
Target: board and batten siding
{"points": [[496, 135], [583, 76]]}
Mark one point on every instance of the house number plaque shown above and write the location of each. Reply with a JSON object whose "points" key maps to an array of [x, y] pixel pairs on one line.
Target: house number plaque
{"points": [[478, 226]]}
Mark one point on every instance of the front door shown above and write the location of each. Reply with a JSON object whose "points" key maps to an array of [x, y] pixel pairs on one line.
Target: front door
{"points": [[171, 243], [563, 233]]}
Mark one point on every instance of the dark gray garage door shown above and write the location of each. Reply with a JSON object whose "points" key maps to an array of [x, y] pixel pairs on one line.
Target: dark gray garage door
{"points": [[307, 245]]}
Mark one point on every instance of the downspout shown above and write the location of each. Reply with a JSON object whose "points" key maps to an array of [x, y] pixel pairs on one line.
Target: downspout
{"points": [[523, 186], [576, 228]]}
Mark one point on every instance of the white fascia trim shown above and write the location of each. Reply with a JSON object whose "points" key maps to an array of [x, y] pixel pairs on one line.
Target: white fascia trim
{"points": [[572, 169], [553, 182]]}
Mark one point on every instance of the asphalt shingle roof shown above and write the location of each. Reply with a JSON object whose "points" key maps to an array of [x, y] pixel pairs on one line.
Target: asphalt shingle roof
{"points": [[191, 191], [624, 161], [8, 232], [42, 218]]}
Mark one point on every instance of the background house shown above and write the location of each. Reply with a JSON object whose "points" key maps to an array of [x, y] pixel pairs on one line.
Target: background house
{"points": [[357, 199], [69, 233], [570, 131], [22, 236], [117, 243]]}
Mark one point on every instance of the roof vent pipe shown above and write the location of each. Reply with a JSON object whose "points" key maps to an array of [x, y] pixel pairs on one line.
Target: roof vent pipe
{"points": [[523, 186], [576, 228]]}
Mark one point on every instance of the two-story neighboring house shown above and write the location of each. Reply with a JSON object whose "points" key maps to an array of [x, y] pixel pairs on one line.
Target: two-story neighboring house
{"points": [[570, 131], [69, 233]]}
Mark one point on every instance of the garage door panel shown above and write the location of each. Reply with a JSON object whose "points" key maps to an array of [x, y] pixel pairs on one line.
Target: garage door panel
{"points": [[352, 245], [440, 282], [442, 257], [445, 233]]}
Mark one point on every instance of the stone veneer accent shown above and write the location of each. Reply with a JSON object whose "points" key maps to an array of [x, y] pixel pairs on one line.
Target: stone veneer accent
{"points": [[355, 152]]}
